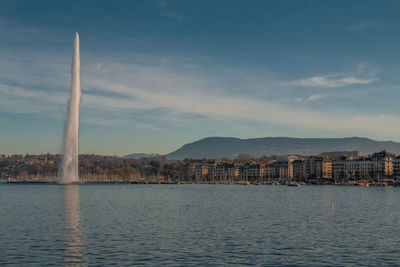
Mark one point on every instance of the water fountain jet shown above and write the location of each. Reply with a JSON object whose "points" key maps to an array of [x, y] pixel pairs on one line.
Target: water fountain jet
{"points": [[69, 166]]}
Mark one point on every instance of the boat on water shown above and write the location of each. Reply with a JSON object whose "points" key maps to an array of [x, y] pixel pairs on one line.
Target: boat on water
{"points": [[293, 184]]}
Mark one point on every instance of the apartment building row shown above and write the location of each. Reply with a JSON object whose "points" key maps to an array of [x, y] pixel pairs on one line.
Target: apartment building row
{"points": [[379, 165]]}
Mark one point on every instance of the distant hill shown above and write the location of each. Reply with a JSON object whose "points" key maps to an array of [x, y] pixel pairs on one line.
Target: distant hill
{"points": [[219, 147], [140, 155]]}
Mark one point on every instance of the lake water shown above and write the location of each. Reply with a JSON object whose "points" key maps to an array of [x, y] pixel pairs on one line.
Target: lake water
{"points": [[198, 225]]}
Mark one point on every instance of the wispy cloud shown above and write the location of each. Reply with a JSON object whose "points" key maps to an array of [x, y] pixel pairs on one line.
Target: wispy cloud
{"points": [[19, 100], [363, 25], [173, 15], [314, 97], [162, 6], [55, 97], [222, 107], [114, 87], [337, 79], [117, 87], [330, 81]]}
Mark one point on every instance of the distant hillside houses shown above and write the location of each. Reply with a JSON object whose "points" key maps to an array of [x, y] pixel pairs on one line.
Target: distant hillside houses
{"points": [[329, 167]]}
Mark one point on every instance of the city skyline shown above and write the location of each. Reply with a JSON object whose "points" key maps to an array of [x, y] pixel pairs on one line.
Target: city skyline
{"points": [[159, 74]]}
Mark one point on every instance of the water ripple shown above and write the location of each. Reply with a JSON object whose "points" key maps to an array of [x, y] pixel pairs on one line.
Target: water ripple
{"points": [[197, 225]]}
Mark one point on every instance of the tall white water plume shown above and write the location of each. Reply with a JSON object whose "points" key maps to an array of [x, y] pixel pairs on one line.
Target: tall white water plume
{"points": [[69, 166]]}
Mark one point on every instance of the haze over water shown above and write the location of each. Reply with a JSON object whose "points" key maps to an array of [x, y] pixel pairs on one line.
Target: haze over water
{"points": [[191, 225]]}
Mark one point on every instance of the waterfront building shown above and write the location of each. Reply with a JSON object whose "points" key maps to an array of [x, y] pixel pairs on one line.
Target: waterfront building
{"points": [[363, 168], [376, 167], [285, 166], [345, 169], [307, 167], [383, 164], [269, 171], [396, 167], [225, 171], [233, 171], [201, 172], [252, 171], [297, 170], [190, 171], [315, 168], [323, 168], [211, 170], [284, 169]]}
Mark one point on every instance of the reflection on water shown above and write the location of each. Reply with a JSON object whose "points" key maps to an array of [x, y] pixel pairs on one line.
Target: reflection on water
{"points": [[74, 245]]}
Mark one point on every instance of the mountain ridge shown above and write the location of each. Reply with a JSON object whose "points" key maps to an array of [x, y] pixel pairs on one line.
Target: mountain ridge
{"points": [[141, 155], [232, 147]]}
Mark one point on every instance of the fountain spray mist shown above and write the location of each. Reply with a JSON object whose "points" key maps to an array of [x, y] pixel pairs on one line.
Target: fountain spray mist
{"points": [[69, 167]]}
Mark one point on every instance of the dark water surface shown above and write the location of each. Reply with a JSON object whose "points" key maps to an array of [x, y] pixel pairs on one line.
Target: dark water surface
{"points": [[189, 225]]}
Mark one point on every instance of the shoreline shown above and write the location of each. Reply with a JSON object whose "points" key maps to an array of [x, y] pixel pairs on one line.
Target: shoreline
{"points": [[294, 184]]}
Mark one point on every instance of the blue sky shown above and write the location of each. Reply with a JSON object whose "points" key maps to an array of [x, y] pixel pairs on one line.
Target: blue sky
{"points": [[159, 74]]}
